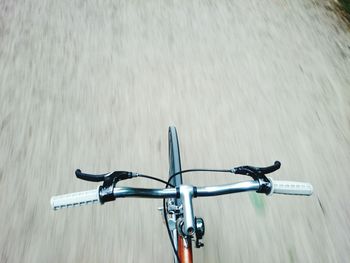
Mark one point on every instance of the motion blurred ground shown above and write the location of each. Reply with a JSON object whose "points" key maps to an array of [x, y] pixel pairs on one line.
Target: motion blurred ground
{"points": [[95, 84]]}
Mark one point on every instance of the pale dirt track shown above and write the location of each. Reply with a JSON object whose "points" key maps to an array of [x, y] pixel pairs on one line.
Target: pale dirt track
{"points": [[95, 84]]}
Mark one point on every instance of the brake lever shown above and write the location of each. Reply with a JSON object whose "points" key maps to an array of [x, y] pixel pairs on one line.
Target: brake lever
{"points": [[108, 179], [257, 172], [109, 182]]}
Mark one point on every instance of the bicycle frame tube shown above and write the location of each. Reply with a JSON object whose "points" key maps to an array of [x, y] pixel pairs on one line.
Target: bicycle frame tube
{"points": [[185, 249]]}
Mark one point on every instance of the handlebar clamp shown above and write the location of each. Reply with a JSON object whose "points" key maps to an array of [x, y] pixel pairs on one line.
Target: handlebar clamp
{"points": [[106, 194], [265, 186]]}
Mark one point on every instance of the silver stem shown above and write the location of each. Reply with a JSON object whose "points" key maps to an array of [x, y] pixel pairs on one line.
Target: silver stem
{"points": [[186, 194]]}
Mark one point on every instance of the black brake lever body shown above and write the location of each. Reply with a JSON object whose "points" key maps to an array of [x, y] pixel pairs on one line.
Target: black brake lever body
{"points": [[108, 179], [257, 172]]}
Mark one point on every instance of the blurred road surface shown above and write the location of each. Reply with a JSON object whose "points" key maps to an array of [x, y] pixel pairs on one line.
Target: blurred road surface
{"points": [[95, 85]]}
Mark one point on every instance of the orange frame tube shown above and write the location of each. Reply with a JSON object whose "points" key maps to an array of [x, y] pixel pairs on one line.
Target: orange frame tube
{"points": [[184, 249]]}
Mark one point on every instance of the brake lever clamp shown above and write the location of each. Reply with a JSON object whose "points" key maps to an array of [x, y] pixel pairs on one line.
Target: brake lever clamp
{"points": [[109, 182], [264, 182], [265, 186]]}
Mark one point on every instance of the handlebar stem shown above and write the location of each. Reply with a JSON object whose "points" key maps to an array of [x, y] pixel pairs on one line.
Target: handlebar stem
{"points": [[186, 195]]}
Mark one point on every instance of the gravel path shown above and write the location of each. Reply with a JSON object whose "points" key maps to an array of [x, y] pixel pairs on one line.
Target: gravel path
{"points": [[95, 84]]}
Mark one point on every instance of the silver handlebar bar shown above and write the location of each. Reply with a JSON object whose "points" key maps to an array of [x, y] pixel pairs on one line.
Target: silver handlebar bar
{"points": [[94, 196], [121, 192], [184, 192]]}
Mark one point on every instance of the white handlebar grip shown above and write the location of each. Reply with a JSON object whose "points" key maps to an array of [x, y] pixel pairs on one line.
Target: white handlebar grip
{"points": [[291, 188], [75, 199]]}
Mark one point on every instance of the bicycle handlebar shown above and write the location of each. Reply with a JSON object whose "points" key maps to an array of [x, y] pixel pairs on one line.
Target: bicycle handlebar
{"points": [[94, 196]]}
